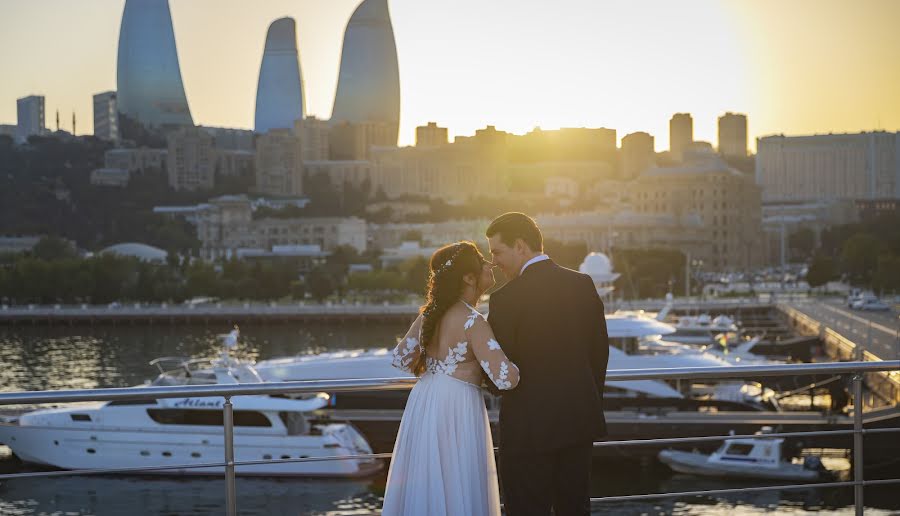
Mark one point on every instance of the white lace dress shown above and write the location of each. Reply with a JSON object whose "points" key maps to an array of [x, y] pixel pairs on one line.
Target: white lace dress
{"points": [[443, 461]]}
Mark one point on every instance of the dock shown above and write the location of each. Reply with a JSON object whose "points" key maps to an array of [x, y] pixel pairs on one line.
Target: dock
{"points": [[847, 335]]}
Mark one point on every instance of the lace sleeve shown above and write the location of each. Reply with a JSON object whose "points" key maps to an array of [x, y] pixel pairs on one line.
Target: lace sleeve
{"points": [[493, 360], [408, 348]]}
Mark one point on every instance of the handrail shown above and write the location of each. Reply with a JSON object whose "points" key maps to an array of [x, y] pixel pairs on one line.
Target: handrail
{"points": [[405, 383], [737, 372], [388, 455]]}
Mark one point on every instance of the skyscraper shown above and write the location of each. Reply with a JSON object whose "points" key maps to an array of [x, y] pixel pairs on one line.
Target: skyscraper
{"points": [[368, 87], [106, 116], [314, 138], [827, 167], [733, 135], [681, 134], [279, 94], [149, 88], [279, 169], [637, 154], [29, 117], [191, 161], [431, 135]]}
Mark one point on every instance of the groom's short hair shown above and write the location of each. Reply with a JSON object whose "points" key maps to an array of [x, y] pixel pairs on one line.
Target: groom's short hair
{"points": [[513, 225]]}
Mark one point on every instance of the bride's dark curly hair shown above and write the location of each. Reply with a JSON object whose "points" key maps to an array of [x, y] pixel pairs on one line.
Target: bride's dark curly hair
{"points": [[448, 266]]}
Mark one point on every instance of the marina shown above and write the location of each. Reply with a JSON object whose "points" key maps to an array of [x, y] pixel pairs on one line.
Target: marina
{"points": [[63, 356]]}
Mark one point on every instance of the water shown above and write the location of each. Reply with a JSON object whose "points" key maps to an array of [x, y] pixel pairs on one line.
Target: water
{"points": [[105, 356]]}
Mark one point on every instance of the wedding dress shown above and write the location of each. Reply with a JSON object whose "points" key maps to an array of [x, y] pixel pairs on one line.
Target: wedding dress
{"points": [[443, 461]]}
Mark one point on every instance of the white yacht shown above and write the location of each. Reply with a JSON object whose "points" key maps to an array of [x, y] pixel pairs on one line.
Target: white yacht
{"points": [[704, 329], [627, 331], [152, 433], [376, 363], [756, 457]]}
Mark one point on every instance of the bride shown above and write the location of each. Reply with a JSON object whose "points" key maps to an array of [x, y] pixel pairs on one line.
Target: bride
{"points": [[443, 461]]}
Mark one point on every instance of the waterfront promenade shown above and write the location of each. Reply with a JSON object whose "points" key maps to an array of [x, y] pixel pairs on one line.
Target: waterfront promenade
{"points": [[877, 332]]}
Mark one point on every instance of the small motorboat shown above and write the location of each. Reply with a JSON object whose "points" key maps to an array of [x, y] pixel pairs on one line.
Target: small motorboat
{"points": [[753, 457]]}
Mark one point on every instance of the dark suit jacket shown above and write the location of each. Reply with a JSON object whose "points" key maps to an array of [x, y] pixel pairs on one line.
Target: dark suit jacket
{"points": [[550, 323]]}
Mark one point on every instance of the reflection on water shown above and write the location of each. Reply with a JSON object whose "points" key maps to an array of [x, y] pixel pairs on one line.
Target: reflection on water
{"points": [[152, 495], [37, 358], [136, 496], [84, 357]]}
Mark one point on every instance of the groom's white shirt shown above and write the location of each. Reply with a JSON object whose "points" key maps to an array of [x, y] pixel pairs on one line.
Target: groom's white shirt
{"points": [[538, 258]]}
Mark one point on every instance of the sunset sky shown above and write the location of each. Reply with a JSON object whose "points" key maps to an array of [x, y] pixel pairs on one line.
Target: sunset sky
{"points": [[797, 67]]}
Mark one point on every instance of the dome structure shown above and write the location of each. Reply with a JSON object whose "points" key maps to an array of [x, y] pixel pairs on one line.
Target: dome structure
{"points": [[143, 252], [599, 267]]}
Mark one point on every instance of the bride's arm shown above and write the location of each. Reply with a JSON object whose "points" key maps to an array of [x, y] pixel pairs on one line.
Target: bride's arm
{"points": [[408, 348], [500, 369]]}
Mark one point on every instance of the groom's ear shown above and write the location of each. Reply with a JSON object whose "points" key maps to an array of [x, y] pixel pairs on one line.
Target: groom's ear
{"points": [[521, 247]]}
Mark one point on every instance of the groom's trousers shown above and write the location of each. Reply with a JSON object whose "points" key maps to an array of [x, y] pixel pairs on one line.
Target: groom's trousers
{"points": [[532, 483]]}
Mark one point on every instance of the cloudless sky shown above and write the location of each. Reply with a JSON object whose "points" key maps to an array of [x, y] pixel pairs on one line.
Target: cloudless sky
{"points": [[794, 67]]}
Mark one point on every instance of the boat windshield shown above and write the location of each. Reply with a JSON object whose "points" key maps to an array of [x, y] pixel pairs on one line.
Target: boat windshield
{"points": [[741, 449]]}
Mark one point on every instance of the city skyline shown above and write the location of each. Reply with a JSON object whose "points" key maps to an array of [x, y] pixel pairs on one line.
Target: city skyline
{"points": [[604, 64]]}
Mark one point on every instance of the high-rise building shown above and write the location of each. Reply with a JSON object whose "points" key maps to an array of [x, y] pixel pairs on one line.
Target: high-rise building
{"points": [[358, 173], [733, 135], [137, 161], [191, 160], [724, 200], [681, 134], [228, 138], [279, 94], [106, 116], [637, 154], [431, 135], [861, 166], [279, 170], [466, 169], [314, 138], [150, 93], [30, 117], [354, 140], [368, 88]]}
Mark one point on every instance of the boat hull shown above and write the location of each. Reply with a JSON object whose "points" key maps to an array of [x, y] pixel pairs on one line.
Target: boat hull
{"points": [[128, 448], [696, 464]]}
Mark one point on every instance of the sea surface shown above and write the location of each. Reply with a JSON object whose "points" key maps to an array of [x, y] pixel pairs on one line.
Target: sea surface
{"points": [[70, 357]]}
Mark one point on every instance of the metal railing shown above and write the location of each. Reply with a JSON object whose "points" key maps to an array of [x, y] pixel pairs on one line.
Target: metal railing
{"points": [[380, 384]]}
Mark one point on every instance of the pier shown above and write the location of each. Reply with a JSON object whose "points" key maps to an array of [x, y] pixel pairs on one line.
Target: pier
{"points": [[848, 335], [860, 427]]}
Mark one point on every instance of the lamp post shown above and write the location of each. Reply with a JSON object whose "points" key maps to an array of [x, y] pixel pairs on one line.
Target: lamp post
{"points": [[697, 268]]}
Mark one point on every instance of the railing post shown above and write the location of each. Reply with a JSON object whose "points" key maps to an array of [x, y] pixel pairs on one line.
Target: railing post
{"points": [[230, 491], [858, 443]]}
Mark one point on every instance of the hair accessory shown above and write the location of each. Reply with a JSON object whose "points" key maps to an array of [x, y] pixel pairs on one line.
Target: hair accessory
{"points": [[449, 263]]}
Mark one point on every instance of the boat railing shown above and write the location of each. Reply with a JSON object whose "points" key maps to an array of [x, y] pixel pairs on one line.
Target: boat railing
{"points": [[857, 369]]}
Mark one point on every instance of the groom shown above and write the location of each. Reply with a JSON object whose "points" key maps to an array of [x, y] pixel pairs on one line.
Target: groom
{"points": [[550, 322]]}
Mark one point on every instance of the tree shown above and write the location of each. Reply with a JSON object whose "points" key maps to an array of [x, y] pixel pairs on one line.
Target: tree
{"points": [[821, 271], [802, 242], [859, 257], [415, 272], [320, 284], [53, 248], [887, 275], [202, 280], [568, 255], [298, 289], [649, 272]]}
